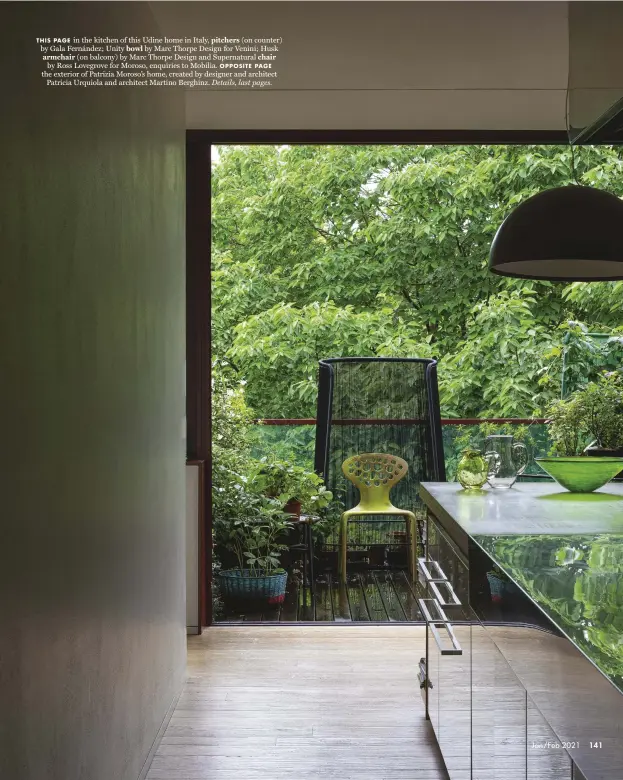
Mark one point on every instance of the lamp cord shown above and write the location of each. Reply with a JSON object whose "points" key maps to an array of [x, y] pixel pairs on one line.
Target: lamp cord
{"points": [[574, 172], [573, 168]]}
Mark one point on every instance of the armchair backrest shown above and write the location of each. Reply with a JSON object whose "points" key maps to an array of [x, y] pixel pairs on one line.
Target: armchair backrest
{"points": [[374, 474]]}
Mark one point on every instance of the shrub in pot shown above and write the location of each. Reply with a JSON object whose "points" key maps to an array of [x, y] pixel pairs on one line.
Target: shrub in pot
{"points": [[565, 427], [602, 404], [591, 421], [296, 488], [252, 535]]}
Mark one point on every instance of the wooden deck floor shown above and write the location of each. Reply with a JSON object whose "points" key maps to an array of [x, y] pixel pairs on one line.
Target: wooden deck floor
{"points": [[372, 596], [301, 703]]}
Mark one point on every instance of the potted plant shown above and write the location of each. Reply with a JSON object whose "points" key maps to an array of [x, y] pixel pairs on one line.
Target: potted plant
{"points": [[590, 422], [566, 427], [253, 536], [602, 405], [326, 532], [297, 489]]}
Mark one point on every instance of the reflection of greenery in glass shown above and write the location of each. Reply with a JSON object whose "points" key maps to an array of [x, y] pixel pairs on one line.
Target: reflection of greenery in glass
{"points": [[457, 438], [578, 581], [600, 590], [295, 443]]}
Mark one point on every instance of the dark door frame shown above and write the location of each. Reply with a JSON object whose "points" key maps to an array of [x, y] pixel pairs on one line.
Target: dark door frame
{"points": [[198, 262], [198, 350]]}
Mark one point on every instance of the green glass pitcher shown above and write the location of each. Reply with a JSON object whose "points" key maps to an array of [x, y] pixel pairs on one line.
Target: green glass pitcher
{"points": [[507, 459], [473, 470]]}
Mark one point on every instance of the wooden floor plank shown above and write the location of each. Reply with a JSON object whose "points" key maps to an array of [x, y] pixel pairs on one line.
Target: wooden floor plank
{"points": [[341, 605], [289, 608], [374, 603], [254, 616], [373, 595], [336, 705], [356, 601], [405, 594], [389, 597], [324, 604]]}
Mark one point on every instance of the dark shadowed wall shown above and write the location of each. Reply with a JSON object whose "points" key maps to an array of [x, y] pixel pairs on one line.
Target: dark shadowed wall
{"points": [[92, 566]]}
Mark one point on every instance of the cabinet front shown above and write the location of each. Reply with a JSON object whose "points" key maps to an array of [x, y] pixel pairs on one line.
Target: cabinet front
{"points": [[499, 705], [454, 696], [511, 697], [477, 706], [447, 566]]}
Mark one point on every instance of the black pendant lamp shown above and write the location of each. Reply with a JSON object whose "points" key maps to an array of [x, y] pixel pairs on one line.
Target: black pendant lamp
{"points": [[566, 234]]}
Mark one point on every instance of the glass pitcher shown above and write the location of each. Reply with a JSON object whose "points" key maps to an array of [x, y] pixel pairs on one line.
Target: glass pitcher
{"points": [[507, 459]]}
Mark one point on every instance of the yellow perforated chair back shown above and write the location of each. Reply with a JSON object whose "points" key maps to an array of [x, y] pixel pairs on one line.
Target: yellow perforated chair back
{"points": [[374, 474]]}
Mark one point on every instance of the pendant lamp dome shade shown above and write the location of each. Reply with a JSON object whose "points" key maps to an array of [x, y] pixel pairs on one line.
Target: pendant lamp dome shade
{"points": [[567, 234]]}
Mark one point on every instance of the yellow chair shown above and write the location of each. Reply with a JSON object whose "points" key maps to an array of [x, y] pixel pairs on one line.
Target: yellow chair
{"points": [[374, 475]]}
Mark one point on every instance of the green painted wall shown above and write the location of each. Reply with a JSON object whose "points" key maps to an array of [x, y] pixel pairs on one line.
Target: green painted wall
{"points": [[92, 633]]}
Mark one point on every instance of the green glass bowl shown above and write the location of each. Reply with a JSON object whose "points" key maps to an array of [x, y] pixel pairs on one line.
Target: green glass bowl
{"points": [[581, 474]]}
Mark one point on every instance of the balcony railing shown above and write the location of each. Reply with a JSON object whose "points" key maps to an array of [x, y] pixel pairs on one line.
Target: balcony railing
{"points": [[294, 439]]}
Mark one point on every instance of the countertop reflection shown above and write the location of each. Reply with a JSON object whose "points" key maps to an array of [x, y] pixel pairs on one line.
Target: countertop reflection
{"points": [[577, 580]]}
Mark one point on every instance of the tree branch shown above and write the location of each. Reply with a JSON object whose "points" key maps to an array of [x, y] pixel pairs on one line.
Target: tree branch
{"points": [[327, 234], [409, 299]]}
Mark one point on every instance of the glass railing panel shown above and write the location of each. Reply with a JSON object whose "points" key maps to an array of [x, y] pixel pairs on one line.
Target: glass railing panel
{"points": [[292, 443], [472, 435], [295, 442]]}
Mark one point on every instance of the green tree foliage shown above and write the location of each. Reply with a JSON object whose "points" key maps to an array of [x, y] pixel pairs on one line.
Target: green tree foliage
{"points": [[329, 251], [593, 415], [232, 462], [601, 303]]}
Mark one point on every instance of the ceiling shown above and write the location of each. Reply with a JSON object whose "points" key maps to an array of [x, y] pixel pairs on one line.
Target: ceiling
{"points": [[401, 65]]}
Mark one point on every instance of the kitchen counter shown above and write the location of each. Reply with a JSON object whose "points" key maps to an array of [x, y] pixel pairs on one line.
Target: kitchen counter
{"points": [[527, 508], [564, 550], [564, 554]]}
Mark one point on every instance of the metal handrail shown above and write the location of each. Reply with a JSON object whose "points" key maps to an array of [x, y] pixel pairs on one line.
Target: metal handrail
{"points": [[410, 421]]}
